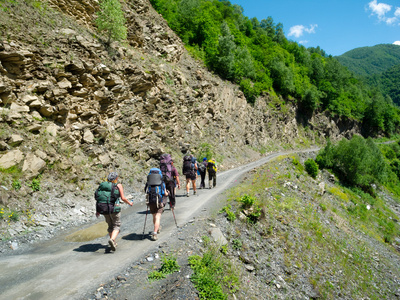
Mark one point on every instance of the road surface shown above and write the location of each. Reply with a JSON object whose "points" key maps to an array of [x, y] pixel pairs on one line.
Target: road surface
{"points": [[63, 269]]}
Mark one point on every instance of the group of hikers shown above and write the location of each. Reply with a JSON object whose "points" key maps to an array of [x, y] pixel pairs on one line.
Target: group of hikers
{"points": [[160, 190]]}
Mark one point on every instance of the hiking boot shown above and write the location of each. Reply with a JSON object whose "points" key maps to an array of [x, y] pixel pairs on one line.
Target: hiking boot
{"points": [[113, 244], [194, 193], [159, 229], [154, 236], [187, 194]]}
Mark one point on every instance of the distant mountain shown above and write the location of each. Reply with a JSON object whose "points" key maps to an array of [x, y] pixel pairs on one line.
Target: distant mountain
{"points": [[388, 82], [367, 61]]}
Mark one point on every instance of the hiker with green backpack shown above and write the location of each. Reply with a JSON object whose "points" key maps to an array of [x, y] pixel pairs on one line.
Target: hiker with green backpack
{"points": [[108, 196]]}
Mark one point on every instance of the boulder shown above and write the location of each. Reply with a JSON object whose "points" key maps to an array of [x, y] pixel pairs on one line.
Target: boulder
{"points": [[33, 165], [11, 159], [15, 140]]}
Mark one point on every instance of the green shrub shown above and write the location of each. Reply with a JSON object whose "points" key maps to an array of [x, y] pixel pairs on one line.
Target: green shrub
{"points": [[311, 167], [111, 19], [16, 185], [247, 201], [169, 265], [230, 215], [237, 244], [35, 185], [357, 162]]}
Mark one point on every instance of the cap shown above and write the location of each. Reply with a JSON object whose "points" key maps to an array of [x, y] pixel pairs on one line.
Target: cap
{"points": [[205, 158], [112, 176]]}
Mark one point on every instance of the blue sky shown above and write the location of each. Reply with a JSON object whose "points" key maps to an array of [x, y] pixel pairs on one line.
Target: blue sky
{"points": [[337, 26]]}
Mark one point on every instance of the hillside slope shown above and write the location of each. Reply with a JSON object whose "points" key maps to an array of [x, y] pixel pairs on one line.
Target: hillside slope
{"points": [[367, 61], [72, 109]]}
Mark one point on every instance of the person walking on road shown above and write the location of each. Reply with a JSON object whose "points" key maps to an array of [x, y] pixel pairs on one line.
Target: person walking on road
{"points": [[171, 186], [108, 196], [203, 170], [189, 169], [156, 195], [212, 173]]}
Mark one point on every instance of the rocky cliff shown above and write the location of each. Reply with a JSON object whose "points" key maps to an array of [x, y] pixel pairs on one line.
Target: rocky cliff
{"points": [[72, 109]]}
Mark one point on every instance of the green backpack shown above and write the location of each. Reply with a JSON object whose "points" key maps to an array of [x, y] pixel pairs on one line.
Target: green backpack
{"points": [[107, 198]]}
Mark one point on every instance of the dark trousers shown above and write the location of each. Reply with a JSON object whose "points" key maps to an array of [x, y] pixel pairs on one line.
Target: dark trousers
{"points": [[213, 176], [171, 196], [203, 177]]}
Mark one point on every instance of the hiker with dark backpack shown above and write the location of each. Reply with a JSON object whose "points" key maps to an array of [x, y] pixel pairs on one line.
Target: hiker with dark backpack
{"points": [[108, 196], [189, 169], [170, 176], [212, 173], [203, 170], [156, 194]]}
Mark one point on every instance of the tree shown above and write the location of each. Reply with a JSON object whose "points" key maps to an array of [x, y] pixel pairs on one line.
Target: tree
{"points": [[111, 19]]}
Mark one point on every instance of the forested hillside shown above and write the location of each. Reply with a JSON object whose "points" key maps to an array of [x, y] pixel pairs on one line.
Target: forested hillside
{"points": [[378, 66], [367, 61], [256, 55]]}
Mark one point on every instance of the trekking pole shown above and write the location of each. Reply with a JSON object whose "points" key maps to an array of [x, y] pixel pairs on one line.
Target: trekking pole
{"points": [[145, 221], [174, 217]]}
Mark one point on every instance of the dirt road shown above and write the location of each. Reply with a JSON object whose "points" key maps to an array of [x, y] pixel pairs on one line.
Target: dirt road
{"points": [[64, 269]]}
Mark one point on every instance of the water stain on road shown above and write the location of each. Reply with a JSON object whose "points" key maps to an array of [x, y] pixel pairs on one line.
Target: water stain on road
{"points": [[88, 234]]}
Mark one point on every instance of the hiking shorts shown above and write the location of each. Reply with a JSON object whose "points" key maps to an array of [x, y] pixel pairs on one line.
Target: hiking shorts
{"points": [[191, 176], [114, 221], [154, 209]]}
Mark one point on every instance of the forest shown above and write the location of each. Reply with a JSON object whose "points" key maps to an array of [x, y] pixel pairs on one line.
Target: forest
{"points": [[256, 55]]}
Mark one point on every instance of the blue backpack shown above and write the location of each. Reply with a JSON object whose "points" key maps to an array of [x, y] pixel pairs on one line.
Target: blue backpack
{"points": [[155, 188]]}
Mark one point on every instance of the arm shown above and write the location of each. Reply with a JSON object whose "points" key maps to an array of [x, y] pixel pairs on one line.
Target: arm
{"points": [[123, 198]]}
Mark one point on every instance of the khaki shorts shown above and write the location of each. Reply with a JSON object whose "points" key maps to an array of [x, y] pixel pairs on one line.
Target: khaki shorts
{"points": [[154, 209], [114, 221]]}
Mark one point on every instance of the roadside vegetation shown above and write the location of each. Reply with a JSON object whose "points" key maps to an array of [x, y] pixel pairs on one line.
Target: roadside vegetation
{"points": [[330, 229]]}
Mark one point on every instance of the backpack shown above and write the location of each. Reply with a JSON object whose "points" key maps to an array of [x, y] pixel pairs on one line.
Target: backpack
{"points": [[193, 165], [187, 165], [155, 187], [107, 198], [166, 167], [211, 167], [201, 167]]}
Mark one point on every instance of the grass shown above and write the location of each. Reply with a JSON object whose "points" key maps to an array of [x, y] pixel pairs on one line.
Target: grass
{"points": [[213, 275], [169, 265], [323, 240]]}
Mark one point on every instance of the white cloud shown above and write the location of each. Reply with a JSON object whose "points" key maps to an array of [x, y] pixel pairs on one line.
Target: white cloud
{"points": [[303, 42], [299, 30], [379, 9], [396, 43]]}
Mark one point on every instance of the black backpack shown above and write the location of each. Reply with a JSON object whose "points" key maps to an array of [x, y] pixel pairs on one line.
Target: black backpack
{"points": [[187, 165]]}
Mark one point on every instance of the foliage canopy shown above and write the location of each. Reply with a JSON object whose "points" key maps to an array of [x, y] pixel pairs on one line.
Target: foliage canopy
{"points": [[257, 56]]}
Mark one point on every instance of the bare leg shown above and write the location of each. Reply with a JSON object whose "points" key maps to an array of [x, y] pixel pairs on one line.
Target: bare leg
{"points": [[156, 221]]}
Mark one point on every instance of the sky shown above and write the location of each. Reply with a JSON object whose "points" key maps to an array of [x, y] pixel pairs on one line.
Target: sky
{"points": [[336, 26]]}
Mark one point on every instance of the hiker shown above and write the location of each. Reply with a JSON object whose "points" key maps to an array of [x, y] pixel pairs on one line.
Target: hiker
{"points": [[108, 197], [212, 173], [203, 170], [171, 186], [156, 195], [170, 177], [189, 169]]}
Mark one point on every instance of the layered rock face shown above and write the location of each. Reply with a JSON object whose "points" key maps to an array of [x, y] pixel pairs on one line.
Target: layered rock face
{"points": [[72, 107]]}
